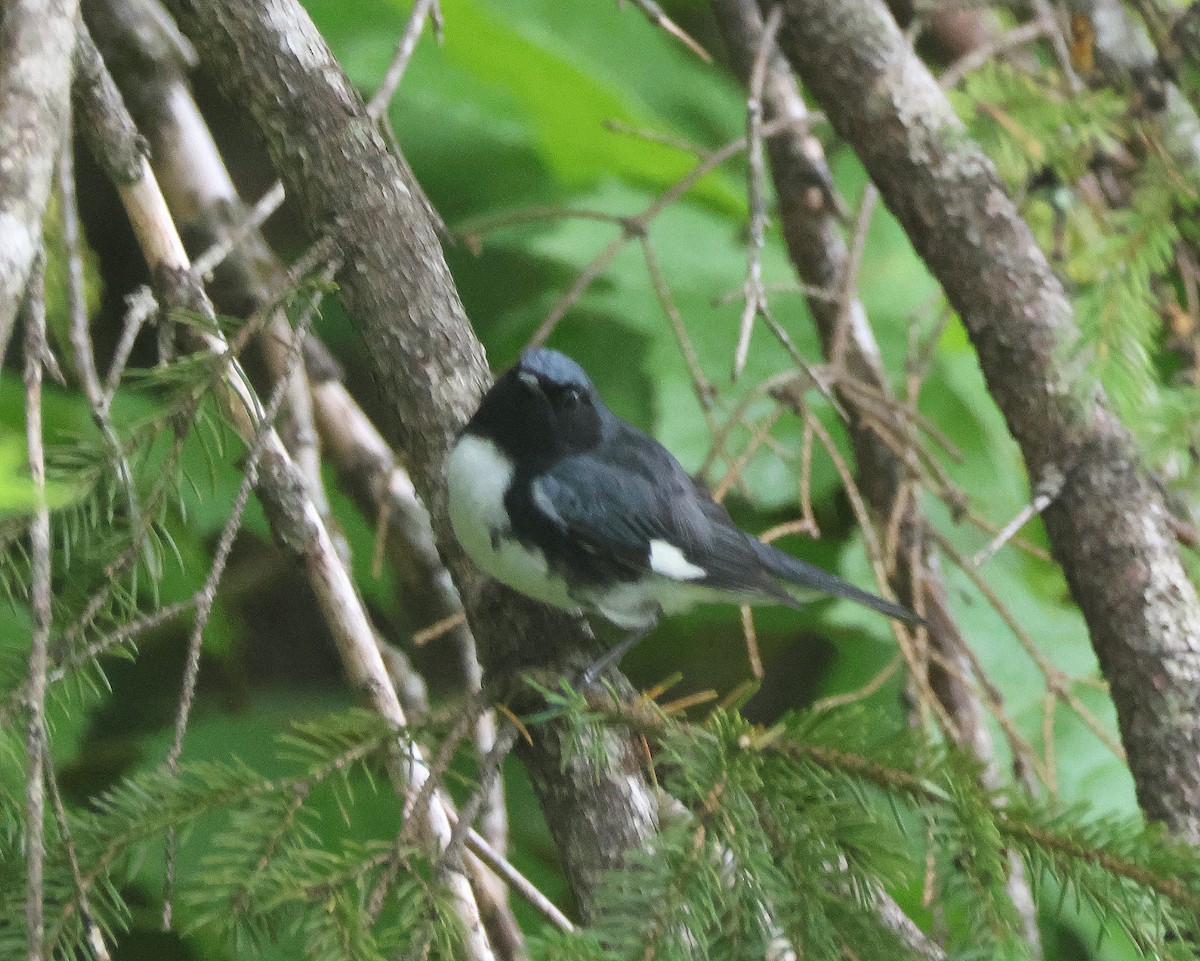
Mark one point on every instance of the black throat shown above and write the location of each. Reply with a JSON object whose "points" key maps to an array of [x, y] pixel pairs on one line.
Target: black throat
{"points": [[529, 430]]}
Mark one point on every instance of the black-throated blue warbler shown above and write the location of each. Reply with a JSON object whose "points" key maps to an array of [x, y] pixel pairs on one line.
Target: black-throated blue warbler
{"points": [[554, 495]]}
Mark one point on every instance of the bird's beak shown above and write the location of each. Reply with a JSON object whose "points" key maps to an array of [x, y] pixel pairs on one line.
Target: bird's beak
{"points": [[528, 379]]}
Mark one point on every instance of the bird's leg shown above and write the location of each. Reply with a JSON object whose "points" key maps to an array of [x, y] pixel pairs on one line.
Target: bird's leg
{"points": [[613, 656]]}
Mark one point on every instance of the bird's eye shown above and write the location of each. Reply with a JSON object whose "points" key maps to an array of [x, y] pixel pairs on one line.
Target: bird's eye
{"points": [[570, 396]]}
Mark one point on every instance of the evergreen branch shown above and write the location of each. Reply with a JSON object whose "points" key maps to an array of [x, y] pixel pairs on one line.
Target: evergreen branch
{"points": [[354, 871], [1141, 613], [147, 805], [1015, 829], [891, 779], [1173, 889], [934, 789]]}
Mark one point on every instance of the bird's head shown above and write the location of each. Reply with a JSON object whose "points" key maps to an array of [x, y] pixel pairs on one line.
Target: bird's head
{"points": [[543, 408]]}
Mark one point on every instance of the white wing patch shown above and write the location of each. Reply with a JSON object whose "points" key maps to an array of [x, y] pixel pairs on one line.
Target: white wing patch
{"points": [[668, 560]]}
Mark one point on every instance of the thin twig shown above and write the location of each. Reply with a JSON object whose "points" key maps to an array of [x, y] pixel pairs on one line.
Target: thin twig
{"points": [[756, 299], [474, 229], [439, 629], [804, 290], [861, 693], [971, 675], [808, 518], [636, 226], [83, 356], [39, 605], [259, 214], [760, 430], [1047, 489], [122, 635], [766, 388], [1056, 680], [489, 772], [848, 280], [94, 934], [655, 136], [654, 13], [139, 308], [585, 279], [82, 352], [820, 376], [701, 386], [504, 869], [750, 636], [1001, 43], [382, 97], [928, 700]]}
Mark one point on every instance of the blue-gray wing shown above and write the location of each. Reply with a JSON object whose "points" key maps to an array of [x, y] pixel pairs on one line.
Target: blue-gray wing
{"points": [[647, 516], [612, 506]]}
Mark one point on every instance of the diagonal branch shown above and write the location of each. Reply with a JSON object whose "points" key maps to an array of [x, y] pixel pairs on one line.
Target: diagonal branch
{"points": [[429, 366], [36, 41], [293, 516], [151, 72], [1108, 527]]}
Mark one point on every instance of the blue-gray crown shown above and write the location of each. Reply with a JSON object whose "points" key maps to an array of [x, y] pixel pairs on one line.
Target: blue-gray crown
{"points": [[554, 368]]}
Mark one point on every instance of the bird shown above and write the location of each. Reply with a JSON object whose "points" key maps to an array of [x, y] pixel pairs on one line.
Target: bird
{"points": [[555, 496]]}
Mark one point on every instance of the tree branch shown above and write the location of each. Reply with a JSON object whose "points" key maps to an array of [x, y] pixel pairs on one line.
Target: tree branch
{"points": [[291, 512], [149, 65], [430, 369], [37, 737], [1108, 527], [37, 38], [819, 254]]}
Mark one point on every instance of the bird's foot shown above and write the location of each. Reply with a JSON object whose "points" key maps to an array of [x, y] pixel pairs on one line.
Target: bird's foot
{"points": [[612, 657]]}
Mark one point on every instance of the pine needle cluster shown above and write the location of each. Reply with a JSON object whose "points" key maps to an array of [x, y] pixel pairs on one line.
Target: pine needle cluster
{"points": [[779, 842]]}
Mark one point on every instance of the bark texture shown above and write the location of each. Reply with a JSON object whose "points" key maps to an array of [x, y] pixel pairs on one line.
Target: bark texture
{"points": [[150, 61], [37, 38], [809, 221], [429, 366], [1108, 528]]}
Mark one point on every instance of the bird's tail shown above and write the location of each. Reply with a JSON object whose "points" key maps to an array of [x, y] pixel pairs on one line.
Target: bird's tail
{"points": [[802, 574]]}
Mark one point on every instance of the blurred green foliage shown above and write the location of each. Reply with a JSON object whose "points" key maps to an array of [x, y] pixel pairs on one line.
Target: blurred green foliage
{"points": [[516, 110]]}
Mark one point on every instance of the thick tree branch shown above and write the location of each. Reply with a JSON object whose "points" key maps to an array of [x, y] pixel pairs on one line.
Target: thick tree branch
{"points": [[1108, 527], [37, 38], [818, 252], [429, 366], [293, 516], [139, 40]]}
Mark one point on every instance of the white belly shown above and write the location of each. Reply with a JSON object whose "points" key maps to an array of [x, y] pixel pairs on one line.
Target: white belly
{"points": [[477, 478], [636, 604]]}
